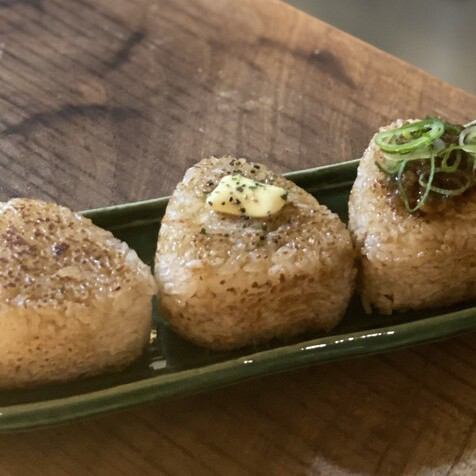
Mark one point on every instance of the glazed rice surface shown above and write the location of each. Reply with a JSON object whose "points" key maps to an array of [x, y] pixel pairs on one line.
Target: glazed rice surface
{"points": [[410, 261], [74, 300], [228, 281]]}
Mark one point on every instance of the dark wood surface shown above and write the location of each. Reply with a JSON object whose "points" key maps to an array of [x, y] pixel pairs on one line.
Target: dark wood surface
{"points": [[103, 102]]}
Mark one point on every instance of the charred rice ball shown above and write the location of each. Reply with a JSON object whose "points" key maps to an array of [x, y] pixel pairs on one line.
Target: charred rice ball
{"points": [[74, 300], [228, 281], [410, 261]]}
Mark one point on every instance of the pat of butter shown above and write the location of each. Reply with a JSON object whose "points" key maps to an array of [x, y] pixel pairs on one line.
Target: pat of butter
{"points": [[238, 195]]}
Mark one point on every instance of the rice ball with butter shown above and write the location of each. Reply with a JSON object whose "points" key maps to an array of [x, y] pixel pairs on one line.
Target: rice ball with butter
{"points": [[245, 255]]}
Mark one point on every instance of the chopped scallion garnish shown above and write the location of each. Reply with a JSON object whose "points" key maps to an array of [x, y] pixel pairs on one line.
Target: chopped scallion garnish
{"points": [[444, 155]]}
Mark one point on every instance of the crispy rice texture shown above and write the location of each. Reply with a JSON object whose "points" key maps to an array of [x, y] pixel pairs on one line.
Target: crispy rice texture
{"points": [[409, 261], [227, 281], [74, 300]]}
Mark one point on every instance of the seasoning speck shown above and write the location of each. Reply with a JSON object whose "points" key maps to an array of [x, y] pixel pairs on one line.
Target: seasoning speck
{"points": [[59, 248]]}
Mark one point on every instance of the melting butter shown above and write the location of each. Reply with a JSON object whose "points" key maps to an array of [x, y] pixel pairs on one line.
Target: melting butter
{"points": [[238, 195]]}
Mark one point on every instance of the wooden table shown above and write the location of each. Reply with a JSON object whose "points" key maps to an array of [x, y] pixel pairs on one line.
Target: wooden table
{"points": [[109, 101]]}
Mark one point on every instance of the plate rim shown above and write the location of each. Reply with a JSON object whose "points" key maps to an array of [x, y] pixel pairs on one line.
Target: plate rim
{"points": [[293, 356]]}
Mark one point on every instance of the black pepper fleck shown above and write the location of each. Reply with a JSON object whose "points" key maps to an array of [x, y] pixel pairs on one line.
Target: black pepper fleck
{"points": [[60, 248]]}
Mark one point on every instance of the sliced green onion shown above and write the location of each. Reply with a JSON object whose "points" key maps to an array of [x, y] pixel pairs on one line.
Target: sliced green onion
{"points": [[446, 152], [420, 153], [453, 129], [391, 162], [415, 134], [403, 193], [464, 184], [446, 155], [438, 145], [467, 140], [387, 168]]}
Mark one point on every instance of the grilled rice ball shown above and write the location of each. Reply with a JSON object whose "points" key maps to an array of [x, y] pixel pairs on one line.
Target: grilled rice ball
{"points": [[410, 261], [228, 281], [74, 300]]}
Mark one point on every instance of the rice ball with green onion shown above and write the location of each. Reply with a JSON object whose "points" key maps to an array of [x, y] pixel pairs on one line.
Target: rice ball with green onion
{"points": [[416, 239]]}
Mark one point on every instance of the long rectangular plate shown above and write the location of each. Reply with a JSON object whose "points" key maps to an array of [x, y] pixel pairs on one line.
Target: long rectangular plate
{"points": [[173, 367]]}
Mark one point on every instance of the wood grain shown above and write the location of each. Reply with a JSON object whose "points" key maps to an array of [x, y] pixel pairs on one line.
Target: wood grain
{"points": [[104, 102]]}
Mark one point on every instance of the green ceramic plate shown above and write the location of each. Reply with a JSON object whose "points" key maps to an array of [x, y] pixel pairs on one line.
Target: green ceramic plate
{"points": [[173, 366]]}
